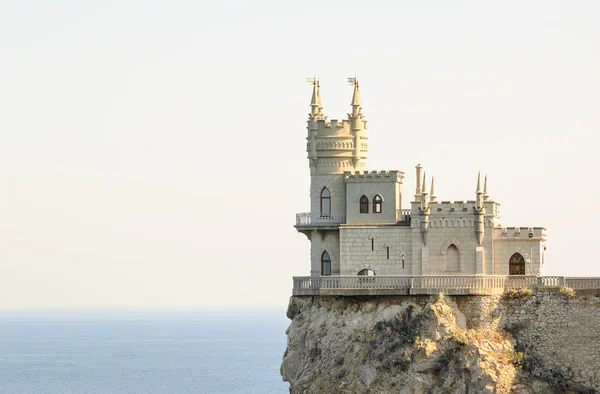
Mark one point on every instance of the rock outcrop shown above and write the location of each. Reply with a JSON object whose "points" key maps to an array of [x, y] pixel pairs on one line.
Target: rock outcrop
{"points": [[414, 344]]}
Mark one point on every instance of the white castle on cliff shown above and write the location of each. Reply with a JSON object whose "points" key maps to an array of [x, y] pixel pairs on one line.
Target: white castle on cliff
{"points": [[357, 225]]}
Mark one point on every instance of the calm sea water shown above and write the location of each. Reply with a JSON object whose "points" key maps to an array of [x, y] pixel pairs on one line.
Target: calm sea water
{"points": [[142, 352]]}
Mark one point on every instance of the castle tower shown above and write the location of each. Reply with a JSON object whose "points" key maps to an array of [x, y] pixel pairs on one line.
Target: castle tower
{"points": [[333, 147]]}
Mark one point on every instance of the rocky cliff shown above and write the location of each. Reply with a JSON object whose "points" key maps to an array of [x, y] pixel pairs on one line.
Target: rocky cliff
{"points": [[520, 342]]}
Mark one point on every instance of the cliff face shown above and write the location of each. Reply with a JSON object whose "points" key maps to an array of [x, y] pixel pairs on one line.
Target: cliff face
{"points": [[422, 344]]}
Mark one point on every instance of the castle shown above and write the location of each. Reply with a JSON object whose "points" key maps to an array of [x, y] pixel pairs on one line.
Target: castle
{"points": [[357, 226]]}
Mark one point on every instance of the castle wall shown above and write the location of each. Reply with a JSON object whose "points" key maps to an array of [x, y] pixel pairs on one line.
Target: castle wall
{"points": [[388, 189], [337, 188], [322, 240], [358, 252]]}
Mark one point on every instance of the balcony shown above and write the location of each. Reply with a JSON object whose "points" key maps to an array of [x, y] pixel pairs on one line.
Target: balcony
{"points": [[403, 216], [308, 219]]}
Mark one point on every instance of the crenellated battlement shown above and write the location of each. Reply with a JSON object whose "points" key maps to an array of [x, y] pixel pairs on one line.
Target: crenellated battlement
{"points": [[362, 176], [519, 232]]}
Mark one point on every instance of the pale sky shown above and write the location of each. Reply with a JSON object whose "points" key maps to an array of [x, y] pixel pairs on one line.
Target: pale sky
{"points": [[152, 153]]}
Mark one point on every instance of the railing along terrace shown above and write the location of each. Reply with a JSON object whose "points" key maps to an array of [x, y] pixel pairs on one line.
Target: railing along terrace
{"points": [[403, 215], [459, 284], [582, 283], [308, 218]]}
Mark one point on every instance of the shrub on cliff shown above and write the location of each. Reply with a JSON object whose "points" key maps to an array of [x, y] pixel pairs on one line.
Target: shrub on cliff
{"points": [[518, 293], [567, 292]]}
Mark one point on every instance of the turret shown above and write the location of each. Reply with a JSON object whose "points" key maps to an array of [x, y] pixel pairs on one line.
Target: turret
{"points": [[425, 211], [486, 196], [419, 170], [432, 197], [479, 212], [336, 146]]}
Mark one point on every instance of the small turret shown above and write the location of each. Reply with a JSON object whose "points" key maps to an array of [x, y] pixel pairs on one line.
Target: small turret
{"points": [[479, 212], [424, 195], [418, 187], [432, 197], [486, 196], [479, 192], [316, 104], [424, 208], [356, 103]]}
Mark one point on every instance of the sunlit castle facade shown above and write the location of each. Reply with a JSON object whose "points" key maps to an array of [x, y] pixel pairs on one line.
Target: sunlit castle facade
{"points": [[357, 226]]}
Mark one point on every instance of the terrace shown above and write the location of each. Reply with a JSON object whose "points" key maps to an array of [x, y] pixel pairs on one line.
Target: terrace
{"points": [[451, 285]]}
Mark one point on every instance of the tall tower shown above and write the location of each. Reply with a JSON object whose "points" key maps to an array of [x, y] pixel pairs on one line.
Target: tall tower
{"points": [[333, 147]]}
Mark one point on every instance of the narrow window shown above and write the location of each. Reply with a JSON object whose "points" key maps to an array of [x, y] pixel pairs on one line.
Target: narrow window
{"points": [[364, 204], [452, 258], [372, 244], [325, 203], [325, 264], [402, 261], [377, 204], [388, 252]]}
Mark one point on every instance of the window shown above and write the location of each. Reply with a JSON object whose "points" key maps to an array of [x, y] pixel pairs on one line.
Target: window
{"points": [[452, 258], [325, 203], [366, 272], [325, 264], [377, 204], [364, 204], [516, 265]]}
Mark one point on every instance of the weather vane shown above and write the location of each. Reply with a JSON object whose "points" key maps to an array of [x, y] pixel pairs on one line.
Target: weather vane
{"points": [[353, 81], [313, 81]]}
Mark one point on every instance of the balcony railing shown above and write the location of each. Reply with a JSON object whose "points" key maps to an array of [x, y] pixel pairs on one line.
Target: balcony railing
{"points": [[403, 215], [403, 285], [312, 219]]}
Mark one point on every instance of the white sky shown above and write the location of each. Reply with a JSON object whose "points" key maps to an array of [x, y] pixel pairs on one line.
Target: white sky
{"points": [[152, 153]]}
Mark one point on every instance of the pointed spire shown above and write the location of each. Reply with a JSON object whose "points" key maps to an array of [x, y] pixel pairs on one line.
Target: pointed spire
{"points": [[486, 196], [424, 184], [314, 101], [478, 183], [356, 95], [319, 101], [356, 103], [432, 197]]}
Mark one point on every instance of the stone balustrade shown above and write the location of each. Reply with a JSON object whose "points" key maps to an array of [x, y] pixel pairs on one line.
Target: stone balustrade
{"points": [[582, 283], [312, 219], [403, 215], [451, 285]]}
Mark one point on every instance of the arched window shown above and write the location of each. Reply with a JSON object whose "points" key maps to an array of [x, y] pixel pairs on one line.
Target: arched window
{"points": [[377, 204], [452, 258], [516, 265], [364, 204], [366, 272], [325, 203], [325, 264]]}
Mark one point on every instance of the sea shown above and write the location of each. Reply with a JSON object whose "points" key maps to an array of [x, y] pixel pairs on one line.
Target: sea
{"points": [[146, 352]]}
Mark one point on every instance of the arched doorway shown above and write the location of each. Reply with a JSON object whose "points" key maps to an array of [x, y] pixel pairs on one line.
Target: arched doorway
{"points": [[516, 265], [366, 272]]}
